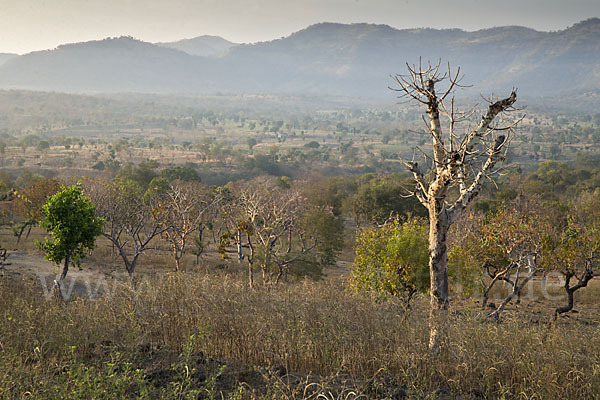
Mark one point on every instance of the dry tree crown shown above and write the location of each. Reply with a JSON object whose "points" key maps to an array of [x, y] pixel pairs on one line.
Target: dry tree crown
{"points": [[460, 159]]}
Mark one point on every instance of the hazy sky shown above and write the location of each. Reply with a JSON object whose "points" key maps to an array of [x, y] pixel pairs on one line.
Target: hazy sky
{"points": [[27, 25]]}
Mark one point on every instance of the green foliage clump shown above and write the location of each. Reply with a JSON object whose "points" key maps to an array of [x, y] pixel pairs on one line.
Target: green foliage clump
{"points": [[115, 379], [71, 219], [142, 174], [323, 224], [185, 173], [392, 259], [312, 145], [376, 198]]}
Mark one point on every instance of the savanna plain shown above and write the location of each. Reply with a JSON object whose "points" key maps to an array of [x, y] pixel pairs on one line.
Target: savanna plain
{"points": [[265, 247]]}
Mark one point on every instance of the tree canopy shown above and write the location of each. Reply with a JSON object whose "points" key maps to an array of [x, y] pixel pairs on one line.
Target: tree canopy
{"points": [[71, 219]]}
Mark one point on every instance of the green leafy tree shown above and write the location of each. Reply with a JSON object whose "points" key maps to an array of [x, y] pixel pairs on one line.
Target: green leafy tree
{"points": [[558, 175], [329, 230], [142, 174], [323, 218], [71, 219], [185, 173], [379, 197], [392, 260]]}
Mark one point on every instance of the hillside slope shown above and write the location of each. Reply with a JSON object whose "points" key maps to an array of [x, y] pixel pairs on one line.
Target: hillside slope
{"points": [[204, 46], [326, 58]]}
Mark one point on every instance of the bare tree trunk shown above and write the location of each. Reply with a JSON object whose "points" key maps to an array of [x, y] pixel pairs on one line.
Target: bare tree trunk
{"points": [[512, 285], [250, 263], [58, 282], [486, 292], [438, 270], [22, 230], [583, 281], [516, 291], [130, 271], [264, 274], [28, 231], [250, 276], [129, 265], [177, 262], [239, 246], [200, 234], [451, 164], [65, 267], [280, 273]]}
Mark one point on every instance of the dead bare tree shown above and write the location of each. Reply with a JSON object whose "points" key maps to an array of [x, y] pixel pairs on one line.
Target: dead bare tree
{"points": [[180, 211], [269, 222], [462, 160], [130, 221], [233, 223]]}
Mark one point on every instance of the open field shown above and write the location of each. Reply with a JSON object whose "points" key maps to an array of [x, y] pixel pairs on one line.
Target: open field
{"points": [[193, 334]]}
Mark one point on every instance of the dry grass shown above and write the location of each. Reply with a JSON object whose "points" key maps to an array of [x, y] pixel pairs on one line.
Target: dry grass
{"points": [[307, 328]]}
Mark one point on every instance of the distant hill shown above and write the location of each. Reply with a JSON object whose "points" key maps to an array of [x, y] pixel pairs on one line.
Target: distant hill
{"points": [[326, 58], [104, 66], [205, 46], [6, 56]]}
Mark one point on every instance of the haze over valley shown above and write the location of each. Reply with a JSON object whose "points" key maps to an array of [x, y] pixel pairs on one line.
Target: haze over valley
{"points": [[348, 60]]}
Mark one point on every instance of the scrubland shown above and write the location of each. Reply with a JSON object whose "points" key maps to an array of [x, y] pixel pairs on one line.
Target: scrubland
{"points": [[199, 335]]}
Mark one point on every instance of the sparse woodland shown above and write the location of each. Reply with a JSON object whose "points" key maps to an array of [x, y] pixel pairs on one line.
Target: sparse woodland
{"points": [[275, 254]]}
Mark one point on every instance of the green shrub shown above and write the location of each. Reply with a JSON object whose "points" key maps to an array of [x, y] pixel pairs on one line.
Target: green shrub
{"points": [[392, 259]]}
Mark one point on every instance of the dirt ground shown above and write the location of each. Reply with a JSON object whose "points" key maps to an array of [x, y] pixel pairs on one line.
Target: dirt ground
{"points": [[89, 280]]}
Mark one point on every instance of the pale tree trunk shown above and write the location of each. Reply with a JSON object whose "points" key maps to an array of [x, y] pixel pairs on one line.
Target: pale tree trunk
{"points": [[177, 262], [250, 275], [178, 252], [250, 263], [239, 246], [438, 272]]}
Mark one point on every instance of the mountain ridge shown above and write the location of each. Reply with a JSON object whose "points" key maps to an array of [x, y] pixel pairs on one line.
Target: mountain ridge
{"points": [[324, 58], [204, 46]]}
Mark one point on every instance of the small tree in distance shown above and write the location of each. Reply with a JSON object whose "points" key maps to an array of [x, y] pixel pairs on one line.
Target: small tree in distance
{"points": [[131, 223], [509, 245], [29, 203], [575, 249], [456, 160], [71, 219], [180, 211]]}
